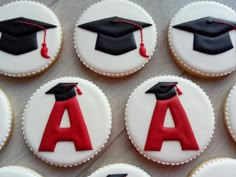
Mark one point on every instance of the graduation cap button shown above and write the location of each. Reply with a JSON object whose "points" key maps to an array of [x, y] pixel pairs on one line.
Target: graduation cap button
{"points": [[209, 21]]}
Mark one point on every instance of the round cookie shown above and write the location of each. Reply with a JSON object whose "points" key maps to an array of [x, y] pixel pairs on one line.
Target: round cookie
{"points": [[19, 171], [67, 121], [30, 38], [215, 167], [119, 170], [201, 39], [114, 42], [172, 128], [230, 113], [6, 119]]}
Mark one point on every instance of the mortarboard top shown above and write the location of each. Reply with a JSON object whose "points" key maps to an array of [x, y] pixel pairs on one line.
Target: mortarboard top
{"points": [[19, 35], [64, 91], [164, 90], [162, 87], [115, 34], [118, 175], [13, 27], [206, 26], [61, 88], [109, 27], [210, 34]]}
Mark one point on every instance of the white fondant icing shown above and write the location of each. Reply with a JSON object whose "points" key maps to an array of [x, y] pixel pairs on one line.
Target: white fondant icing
{"points": [[197, 106], [132, 171], [217, 168], [181, 42], [32, 62], [17, 171], [107, 64], [5, 119], [97, 116], [230, 113]]}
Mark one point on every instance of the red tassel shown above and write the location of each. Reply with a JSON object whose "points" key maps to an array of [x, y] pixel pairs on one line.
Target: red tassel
{"points": [[220, 22], [178, 90], [143, 51], [44, 51], [78, 90]]}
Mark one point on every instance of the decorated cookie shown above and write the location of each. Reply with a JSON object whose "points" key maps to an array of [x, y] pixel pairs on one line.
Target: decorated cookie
{"points": [[119, 170], [215, 167], [18, 171], [115, 42], [6, 120], [67, 121], [169, 120], [230, 113], [30, 38], [201, 39]]}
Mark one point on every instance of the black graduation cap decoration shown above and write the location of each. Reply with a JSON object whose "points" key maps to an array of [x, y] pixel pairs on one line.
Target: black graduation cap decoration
{"points": [[19, 36], [115, 35], [211, 35], [64, 91], [118, 175], [164, 90]]}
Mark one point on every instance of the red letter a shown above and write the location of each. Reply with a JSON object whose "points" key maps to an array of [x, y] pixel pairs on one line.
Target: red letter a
{"points": [[182, 131], [77, 133]]}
